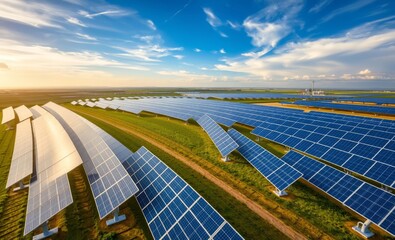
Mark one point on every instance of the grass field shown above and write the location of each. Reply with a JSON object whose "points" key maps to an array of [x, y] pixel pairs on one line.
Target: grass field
{"points": [[305, 208]]}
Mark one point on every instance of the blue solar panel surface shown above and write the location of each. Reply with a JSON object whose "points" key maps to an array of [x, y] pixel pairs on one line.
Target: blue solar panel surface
{"points": [[172, 208], [348, 107], [221, 139], [276, 171], [367, 200]]}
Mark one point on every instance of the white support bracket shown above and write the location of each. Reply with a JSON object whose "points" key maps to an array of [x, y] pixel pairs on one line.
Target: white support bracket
{"points": [[280, 193], [46, 232], [257, 139], [225, 159], [21, 186], [363, 229], [117, 218]]}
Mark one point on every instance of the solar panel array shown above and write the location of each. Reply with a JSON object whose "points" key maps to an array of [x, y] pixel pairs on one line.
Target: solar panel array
{"points": [[38, 111], [348, 107], [111, 185], [252, 95], [367, 200], [172, 208], [369, 100], [8, 115], [23, 113], [55, 156], [276, 171], [22, 157], [221, 139]]}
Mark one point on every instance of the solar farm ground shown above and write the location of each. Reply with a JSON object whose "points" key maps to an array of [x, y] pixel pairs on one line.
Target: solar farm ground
{"points": [[305, 210]]}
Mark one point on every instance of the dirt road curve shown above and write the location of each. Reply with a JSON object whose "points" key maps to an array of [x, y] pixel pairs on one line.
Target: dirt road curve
{"points": [[266, 215]]}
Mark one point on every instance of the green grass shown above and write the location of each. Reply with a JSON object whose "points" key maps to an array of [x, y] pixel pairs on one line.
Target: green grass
{"points": [[306, 203]]}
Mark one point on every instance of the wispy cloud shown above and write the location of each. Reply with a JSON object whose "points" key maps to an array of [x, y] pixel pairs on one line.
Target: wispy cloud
{"points": [[222, 51], [151, 24], [86, 37], [110, 13], [319, 6], [75, 21], [197, 50], [3, 66], [178, 11], [346, 9], [179, 57], [365, 72], [213, 20], [148, 53]]}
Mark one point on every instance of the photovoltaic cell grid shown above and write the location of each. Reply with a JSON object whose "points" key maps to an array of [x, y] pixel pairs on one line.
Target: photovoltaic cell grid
{"points": [[224, 143], [23, 113], [122, 152], [55, 156], [22, 157], [276, 171], [8, 115], [172, 208], [348, 107], [111, 185], [370, 100], [367, 200], [345, 149], [90, 104], [251, 95]]}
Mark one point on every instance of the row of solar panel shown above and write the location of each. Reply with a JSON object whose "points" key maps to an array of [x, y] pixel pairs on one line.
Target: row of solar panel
{"points": [[367, 200], [22, 111], [253, 96], [171, 207], [369, 100], [348, 107]]}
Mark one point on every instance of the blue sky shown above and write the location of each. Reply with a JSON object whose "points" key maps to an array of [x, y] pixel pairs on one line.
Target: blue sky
{"points": [[192, 43]]}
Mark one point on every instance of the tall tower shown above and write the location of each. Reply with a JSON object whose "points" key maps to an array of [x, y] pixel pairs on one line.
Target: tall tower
{"points": [[312, 87]]}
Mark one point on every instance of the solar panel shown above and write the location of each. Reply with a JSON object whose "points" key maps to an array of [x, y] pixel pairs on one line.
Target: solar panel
{"points": [[101, 105], [172, 208], [8, 115], [276, 171], [22, 157], [118, 148], [23, 113], [90, 104], [369, 201], [38, 111], [221, 139], [55, 156], [111, 185], [74, 103]]}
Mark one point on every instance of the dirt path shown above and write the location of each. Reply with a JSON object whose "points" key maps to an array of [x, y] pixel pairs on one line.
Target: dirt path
{"points": [[263, 213]]}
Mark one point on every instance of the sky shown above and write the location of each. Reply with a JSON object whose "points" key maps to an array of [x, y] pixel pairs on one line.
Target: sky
{"points": [[197, 43]]}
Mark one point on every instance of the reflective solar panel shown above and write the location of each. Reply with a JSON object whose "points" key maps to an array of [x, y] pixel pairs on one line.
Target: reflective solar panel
{"points": [[8, 115], [221, 139], [55, 156], [111, 185], [90, 104], [172, 208], [38, 111], [369, 201], [279, 173], [22, 157], [23, 113]]}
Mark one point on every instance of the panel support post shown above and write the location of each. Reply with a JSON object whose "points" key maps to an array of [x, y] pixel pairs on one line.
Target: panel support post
{"points": [[258, 139], [225, 159], [117, 218], [9, 126], [363, 228], [21, 186], [46, 232], [280, 193]]}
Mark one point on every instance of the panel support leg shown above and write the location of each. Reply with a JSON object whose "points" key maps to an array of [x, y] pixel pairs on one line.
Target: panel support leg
{"points": [[225, 159], [46, 232], [257, 139], [21, 186], [117, 218], [280, 193], [9, 126], [363, 228]]}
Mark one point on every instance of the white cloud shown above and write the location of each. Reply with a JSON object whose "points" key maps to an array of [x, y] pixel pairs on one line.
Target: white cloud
{"points": [[110, 13], [233, 25], [213, 20], [31, 13], [324, 56], [365, 72], [147, 53], [197, 50], [75, 21], [222, 51], [222, 34], [319, 6], [151, 24], [265, 34], [3, 66], [86, 37], [179, 57]]}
